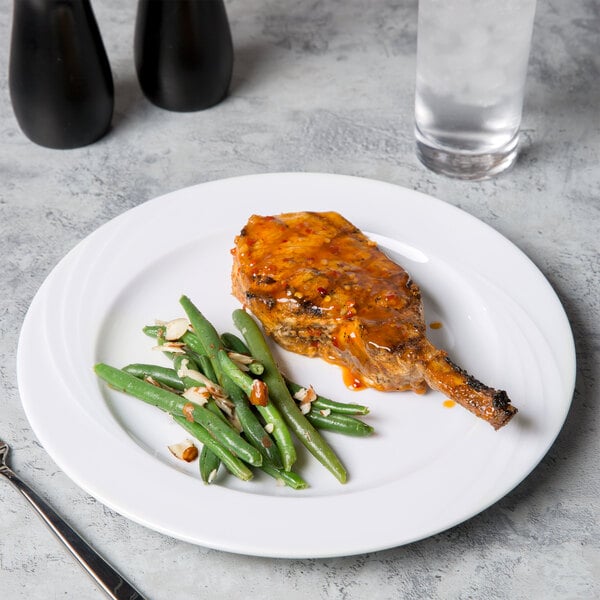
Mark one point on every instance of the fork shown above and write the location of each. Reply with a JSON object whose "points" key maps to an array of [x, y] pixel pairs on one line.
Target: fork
{"points": [[111, 582]]}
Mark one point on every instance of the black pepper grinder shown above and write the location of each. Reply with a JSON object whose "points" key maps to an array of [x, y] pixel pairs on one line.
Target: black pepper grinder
{"points": [[183, 52], [60, 81]]}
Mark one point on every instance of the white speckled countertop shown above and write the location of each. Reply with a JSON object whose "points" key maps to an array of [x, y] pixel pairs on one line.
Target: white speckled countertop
{"points": [[320, 85]]}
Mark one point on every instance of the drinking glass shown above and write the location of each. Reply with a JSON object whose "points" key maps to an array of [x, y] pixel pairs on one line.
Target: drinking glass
{"points": [[472, 60]]}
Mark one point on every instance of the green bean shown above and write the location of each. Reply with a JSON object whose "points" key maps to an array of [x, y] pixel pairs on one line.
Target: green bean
{"points": [[206, 367], [153, 331], [160, 340], [279, 394], [280, 433], [193, 343], [195, 350], [160, 336], [208, 463], [189, 381], [241, 379], [190, 362], [163, 375], [233, 342], [255, 432], [345, 424], [196, 361], [233, 464], [205, 332], [290, 478], [268, 412], [176, 405], [215, 410], [169, 377], [322, 403], [256, 368], [208, 340], [339, 408]]}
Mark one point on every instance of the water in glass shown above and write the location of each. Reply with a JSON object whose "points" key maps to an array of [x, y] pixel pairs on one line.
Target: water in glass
{"points": [[471, 69]]}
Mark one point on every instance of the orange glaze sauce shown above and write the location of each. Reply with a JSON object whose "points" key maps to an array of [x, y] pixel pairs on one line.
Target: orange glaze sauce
{"points": [[449, 403], [307, 260], [351, 380], [435, 325], [312, 260]]}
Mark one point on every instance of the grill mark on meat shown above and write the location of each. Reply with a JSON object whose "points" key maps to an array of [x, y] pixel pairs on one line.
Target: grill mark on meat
{"points": [[500, 400], [264, 280], [268, 301], [320, 287]]}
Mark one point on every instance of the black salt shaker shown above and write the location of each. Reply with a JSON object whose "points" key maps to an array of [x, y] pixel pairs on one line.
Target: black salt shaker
{"points": [[60, 81], [183, 52]]}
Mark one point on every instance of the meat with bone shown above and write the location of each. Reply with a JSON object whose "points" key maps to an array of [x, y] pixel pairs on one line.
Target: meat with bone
{"points": [[320, 287]]}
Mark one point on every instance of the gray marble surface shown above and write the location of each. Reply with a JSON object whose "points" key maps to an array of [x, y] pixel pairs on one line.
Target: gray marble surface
{"points": [[320, 85]]}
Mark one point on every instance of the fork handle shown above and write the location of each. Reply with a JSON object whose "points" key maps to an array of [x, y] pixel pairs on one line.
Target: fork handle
{"points": [[111, 582]]}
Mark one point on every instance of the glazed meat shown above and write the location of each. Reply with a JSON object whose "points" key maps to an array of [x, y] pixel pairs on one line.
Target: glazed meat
{"points": [[320, 287]]}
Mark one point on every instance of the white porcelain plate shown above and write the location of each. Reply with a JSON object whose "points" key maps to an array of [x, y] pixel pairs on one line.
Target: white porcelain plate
{"points": [[428, 467]]}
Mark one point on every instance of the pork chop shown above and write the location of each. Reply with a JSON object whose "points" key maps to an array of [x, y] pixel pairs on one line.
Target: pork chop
{"points": [[320, 287]]}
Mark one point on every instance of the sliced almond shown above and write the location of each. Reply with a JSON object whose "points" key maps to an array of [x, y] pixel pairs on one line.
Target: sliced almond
{"points": [[214, 389], [191, 373], [176, 328], [243, 359], [225, 405], [200, 395], [306, 395], [158, 384], [235, 422], [174, 347], [185, 450], [300, 394], [241, 366]]}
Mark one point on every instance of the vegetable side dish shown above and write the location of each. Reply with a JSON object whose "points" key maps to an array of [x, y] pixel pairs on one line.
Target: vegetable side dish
{"points": [[229, 395]]}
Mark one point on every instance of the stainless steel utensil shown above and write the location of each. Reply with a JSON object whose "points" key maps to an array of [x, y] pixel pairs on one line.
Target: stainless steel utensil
{"points": [[113, 584]]}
